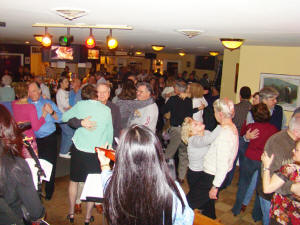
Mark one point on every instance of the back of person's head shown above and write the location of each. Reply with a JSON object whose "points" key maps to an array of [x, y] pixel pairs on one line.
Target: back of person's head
{"points": [[245, 92], [89, 92], [6, 80], [225, 106], [260, 113], [140, 172], [10, 135], [180, 86], [196, 90], [268, 92], [21, 90], [128, 90]]}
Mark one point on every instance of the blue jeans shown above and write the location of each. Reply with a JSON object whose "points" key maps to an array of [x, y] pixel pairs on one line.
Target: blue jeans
{"points": [[251, 189], [247, 170], [240, 156], [66, 138], [265, 209]]}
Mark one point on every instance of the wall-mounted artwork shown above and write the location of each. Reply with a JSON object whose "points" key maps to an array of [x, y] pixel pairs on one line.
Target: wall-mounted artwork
{"points": [[288, 87]]}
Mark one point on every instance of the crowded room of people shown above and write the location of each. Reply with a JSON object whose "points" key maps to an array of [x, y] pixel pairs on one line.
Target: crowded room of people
{"points": [[149, 113]]}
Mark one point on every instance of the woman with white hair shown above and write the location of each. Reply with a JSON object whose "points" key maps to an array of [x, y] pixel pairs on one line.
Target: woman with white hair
{"points": [[7, 93], [219, 159]]}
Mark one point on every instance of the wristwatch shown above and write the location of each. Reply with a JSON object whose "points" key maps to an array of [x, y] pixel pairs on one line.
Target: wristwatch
{"points": [[266, 169]]}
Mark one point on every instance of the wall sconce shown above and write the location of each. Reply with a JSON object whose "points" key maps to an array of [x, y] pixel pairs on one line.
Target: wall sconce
{"points": [[158, 47], [232, 44], [213, 53], [90, 41], [112, 43], [138, 53], [46, 40]]}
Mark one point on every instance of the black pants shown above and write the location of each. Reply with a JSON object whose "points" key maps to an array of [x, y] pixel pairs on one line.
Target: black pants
{"points": [[200, 184], [47, 148]]}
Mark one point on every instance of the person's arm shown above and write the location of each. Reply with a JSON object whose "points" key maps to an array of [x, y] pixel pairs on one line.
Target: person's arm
{"points": [[75, 122], [33, 117], [270, 184], [71, 113], [276, 164], [27, 193], [136, 104], [295, 188], [56, 113], [86, 123], [206, 139]]}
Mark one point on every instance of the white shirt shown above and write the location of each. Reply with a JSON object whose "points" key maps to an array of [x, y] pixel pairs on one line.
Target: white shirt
{"points": [[197, 102], [62, 100], [220, 157], [198, 146], [45, 91], [146, 116]]}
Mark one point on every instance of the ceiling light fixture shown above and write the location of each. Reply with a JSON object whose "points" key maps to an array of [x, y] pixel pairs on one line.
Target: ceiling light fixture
{"points": [[213, 53], [181, 53], [46, 40], [112, 43], [231, 43], [38, 37], [90, 42], [158, 47]]}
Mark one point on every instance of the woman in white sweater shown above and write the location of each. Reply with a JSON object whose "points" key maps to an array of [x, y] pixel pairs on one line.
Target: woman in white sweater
{"points": [[62, 100], [219, 159]]}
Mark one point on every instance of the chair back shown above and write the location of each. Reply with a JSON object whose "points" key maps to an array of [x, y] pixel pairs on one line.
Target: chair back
{"points": [[200, 219]]}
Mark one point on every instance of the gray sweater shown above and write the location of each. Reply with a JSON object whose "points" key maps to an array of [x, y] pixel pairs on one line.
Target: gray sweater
{"points": [[127, 108]]}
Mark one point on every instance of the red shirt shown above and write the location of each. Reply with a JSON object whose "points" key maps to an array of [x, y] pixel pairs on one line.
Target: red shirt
{"points": [[256, 146]]}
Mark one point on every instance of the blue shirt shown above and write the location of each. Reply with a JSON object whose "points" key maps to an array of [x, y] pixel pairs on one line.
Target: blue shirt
{"points": [[74, 97], [49, 126], [8, 106], [180, 218]]}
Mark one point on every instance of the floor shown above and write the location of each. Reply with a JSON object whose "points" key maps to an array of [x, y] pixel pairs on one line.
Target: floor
{"points": [[57, 207]]}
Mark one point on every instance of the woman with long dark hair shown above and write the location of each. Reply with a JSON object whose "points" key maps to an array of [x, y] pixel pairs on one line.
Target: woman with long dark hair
{"points": [[140, 189], [16, 183]]}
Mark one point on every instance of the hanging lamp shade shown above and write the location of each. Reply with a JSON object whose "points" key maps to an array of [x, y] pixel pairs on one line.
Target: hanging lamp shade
{"points": [[158, 47], [231, 44]]}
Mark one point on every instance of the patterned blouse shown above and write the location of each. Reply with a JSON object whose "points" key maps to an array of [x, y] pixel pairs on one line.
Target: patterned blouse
{"points": [[286, 209]]}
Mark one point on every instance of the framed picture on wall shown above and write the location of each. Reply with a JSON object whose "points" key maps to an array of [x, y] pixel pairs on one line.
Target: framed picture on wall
{"points": [[288, 87]]}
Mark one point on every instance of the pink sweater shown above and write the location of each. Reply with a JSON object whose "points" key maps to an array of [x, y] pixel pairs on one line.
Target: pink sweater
{"points": [[27, 113]]}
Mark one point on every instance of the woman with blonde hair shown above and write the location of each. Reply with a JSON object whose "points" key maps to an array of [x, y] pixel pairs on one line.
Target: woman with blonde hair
{"points": [[196, 93], [198, 141]]}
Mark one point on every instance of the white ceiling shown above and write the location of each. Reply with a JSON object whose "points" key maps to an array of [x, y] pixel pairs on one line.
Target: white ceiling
{"points": [[259, 22]]}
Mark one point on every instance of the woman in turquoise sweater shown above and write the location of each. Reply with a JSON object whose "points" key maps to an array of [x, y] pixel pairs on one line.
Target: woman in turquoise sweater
{"points": [[83, 157]]}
